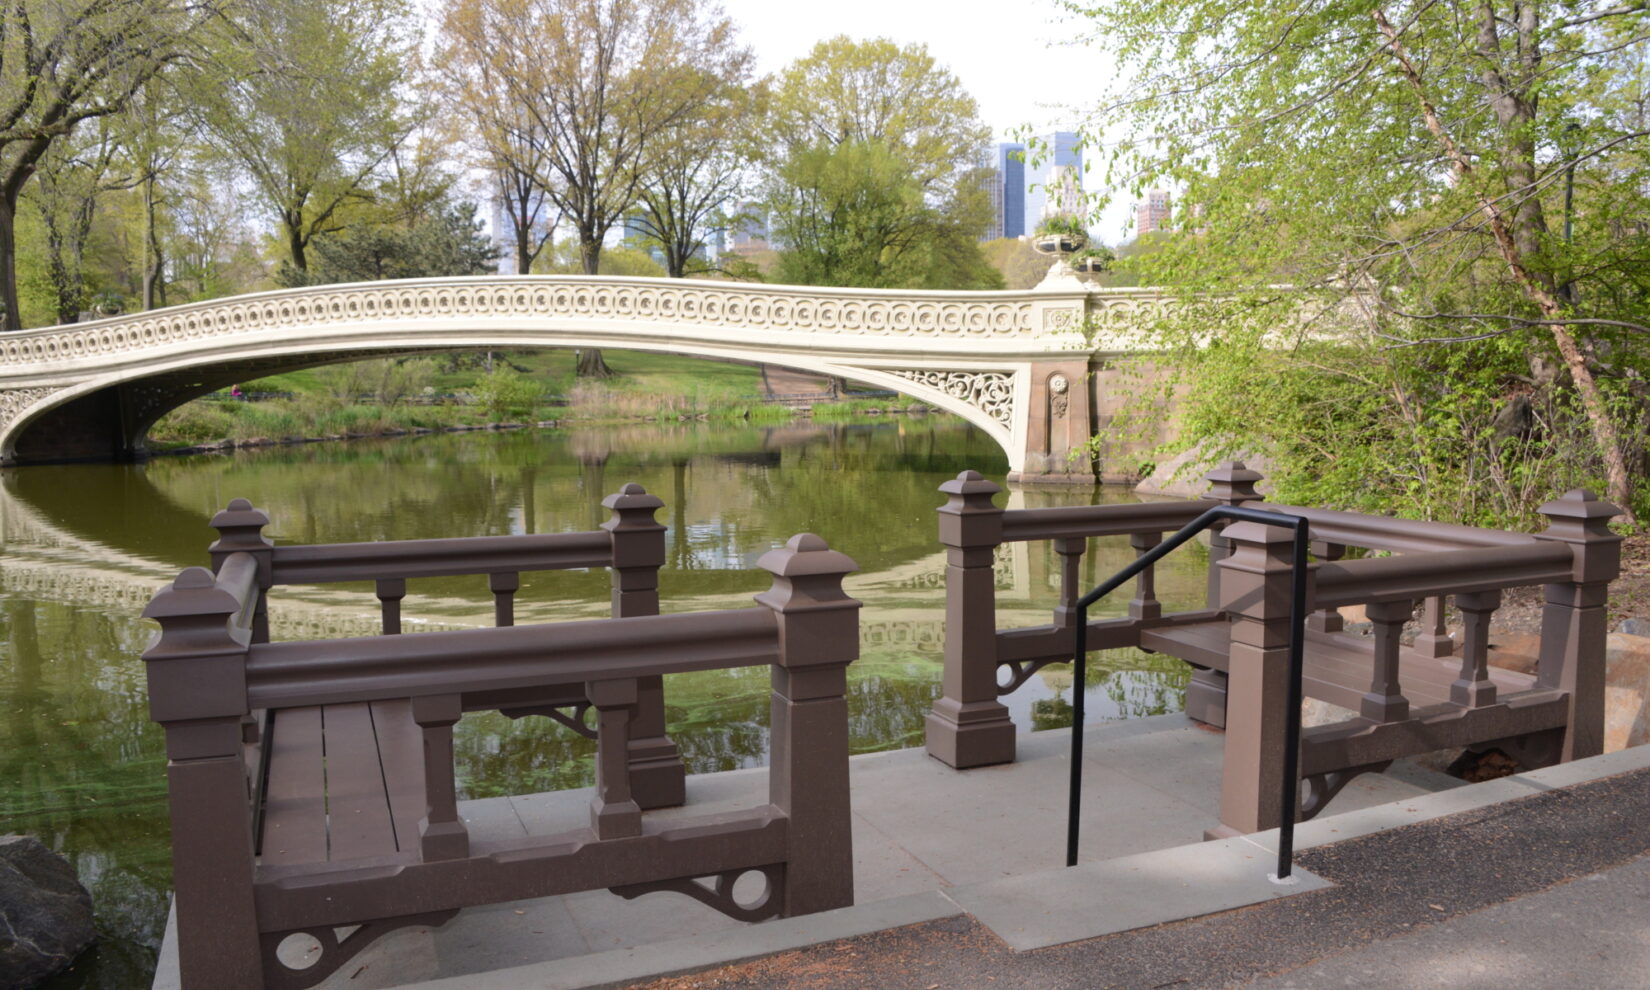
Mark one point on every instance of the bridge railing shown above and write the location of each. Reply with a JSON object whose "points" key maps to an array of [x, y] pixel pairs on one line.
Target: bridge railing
{"points": [[630, 543], [206, 674], [1401, 698]]}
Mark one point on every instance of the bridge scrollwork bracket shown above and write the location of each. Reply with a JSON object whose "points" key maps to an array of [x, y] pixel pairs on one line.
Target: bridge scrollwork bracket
{"points": [[991, 392], [14, 400]]}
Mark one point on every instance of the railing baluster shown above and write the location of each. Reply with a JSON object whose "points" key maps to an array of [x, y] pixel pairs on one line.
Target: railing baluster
{"points": [[504, 585], [1474, 687], [390, 591], [1385, 701], [1145, 604], [1435, 640], [442, 834], [1070, 550], [614, 814], [1327, 619]]}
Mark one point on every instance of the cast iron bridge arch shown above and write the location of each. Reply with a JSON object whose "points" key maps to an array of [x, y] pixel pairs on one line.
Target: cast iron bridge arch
{"points": [[1014, 363]]}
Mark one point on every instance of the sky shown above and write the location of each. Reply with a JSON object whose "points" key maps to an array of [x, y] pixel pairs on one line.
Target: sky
{"points": [[1010, 56]]}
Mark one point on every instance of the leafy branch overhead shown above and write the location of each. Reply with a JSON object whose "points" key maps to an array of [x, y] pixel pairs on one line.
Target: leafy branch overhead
{"points": [[1469, 177]]}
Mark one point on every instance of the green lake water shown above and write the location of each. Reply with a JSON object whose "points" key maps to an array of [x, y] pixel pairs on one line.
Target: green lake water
{"points": [[84, 547]]}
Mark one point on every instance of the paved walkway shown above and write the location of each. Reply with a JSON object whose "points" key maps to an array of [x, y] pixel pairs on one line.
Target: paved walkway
{"points": [[1544, 892], [958, 879]]}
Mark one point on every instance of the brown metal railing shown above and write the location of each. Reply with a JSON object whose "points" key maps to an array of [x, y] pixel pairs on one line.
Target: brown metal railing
{"points": [[1405, 699], [208, 670]]}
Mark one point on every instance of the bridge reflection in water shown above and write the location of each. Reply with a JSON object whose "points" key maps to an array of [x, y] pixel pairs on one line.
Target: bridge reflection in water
{"points": [[83, 547]]}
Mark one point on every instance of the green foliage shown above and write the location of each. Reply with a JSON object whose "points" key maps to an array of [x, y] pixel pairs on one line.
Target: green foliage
{"points": [[506, 393], [448, 240], [303, 97], [1019, 264], [854, 214], [1403, 169], [871, 171], [564, 258], [1062, 225]]}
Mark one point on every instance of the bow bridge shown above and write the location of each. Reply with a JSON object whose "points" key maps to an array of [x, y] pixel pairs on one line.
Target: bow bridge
{"points": [[1017, 364]]}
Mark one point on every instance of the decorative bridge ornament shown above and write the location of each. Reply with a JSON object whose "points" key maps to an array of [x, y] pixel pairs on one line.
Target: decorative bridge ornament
{"points": [[92, 390]]}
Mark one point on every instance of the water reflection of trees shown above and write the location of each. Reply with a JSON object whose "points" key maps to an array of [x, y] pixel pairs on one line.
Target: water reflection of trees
{"points": [[82, 768], [1123, 684]]}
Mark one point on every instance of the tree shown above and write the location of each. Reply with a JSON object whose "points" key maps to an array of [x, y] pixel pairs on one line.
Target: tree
{"points": [[696, 180], [873, 177], [71, 177], [302, 96], [602, 82], [1021, 266], [506, 141], [446, 239], [1407, 158], [847, 91], [63, 62]]}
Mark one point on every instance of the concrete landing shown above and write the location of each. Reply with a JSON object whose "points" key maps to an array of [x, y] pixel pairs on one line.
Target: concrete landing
{"points": [[929, 842]]}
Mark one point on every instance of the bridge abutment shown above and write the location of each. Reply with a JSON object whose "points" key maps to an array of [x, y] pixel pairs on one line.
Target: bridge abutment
{"points": [[1059, 424]]}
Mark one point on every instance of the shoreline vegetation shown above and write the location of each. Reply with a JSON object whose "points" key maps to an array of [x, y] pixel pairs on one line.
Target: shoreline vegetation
{"points": [[416, 396]]}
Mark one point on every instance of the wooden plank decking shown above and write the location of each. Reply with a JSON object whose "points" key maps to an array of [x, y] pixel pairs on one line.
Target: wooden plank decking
{"points": [[345, 782], [1338, 665]]}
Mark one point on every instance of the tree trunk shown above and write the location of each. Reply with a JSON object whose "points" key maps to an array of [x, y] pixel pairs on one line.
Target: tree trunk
{"points": [[295, 244], [152, 258], [13, 317], [591, 364]]}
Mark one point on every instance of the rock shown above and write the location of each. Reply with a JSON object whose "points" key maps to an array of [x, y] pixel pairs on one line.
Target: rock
{"points": [[1626, 691], [45, 914], [1182, 475], [1634, 627]]}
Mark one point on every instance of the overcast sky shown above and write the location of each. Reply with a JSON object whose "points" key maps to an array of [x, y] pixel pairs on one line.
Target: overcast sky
{"points": [[1005, 53]]}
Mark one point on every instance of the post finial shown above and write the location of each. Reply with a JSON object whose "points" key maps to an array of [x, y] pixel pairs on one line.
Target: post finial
{"points": [[1233, 483], [1582, 519]]}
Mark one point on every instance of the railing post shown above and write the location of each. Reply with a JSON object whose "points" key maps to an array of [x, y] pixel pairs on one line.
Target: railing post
{"points": [[968, 726], [1231, 483], [1573, 626], [197, 691], [1255, 588], [808, 769], [442, 834], [658, 779], [240, 530]]}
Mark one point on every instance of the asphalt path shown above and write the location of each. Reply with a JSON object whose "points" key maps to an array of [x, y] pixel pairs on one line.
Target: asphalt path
{"points": [[1550, 891]]}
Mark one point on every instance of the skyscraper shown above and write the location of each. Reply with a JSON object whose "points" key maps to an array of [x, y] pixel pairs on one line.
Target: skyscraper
{"points": [[1009, 186], [1059, 150], [1019, 190], [1152, 213]]}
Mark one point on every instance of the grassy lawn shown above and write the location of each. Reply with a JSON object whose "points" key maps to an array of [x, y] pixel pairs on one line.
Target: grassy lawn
{"points": [[638, 372]]}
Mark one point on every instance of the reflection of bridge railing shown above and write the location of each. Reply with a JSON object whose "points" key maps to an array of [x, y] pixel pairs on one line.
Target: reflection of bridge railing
{"points": [[1401, 700]]}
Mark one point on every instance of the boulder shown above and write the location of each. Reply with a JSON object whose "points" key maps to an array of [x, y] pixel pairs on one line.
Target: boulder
{"points": [[1181, 476], [45, 914]]}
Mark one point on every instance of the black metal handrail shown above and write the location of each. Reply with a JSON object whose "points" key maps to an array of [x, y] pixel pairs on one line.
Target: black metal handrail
{"points": [[1292, 716]]}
